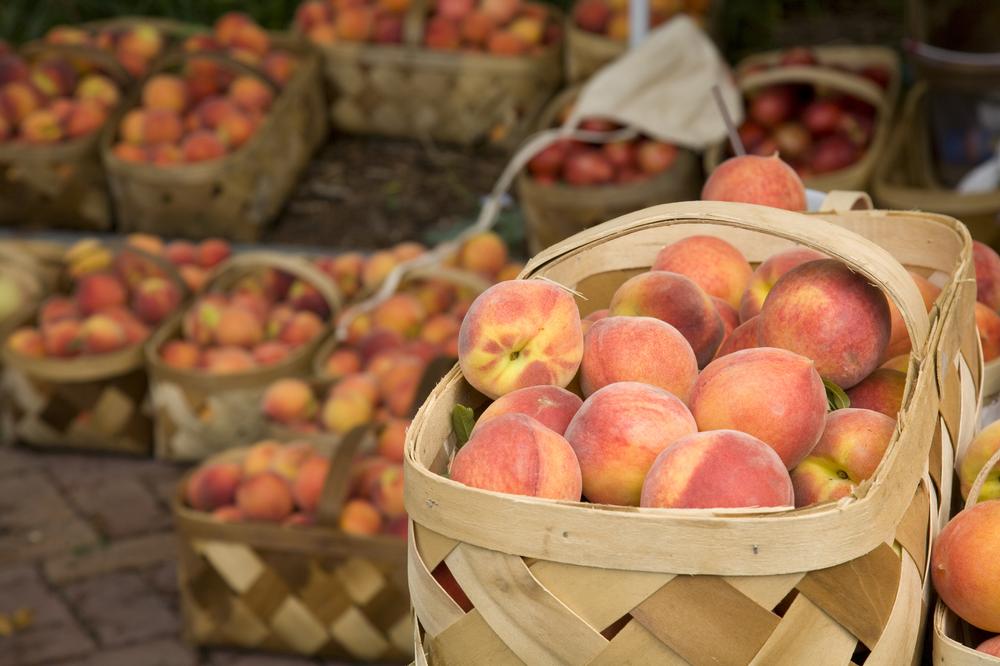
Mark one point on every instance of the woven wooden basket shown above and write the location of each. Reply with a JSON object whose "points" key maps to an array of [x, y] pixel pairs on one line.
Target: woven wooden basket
{"points": [[92, 403], [199, 414], [414, 92], [237, 195], [28, 275], [827, 584], [60, 185], [555, 212], [857, 175], [312, 591]]}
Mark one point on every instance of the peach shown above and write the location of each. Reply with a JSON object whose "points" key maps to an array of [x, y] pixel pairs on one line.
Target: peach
{"points": [[202, 146], [181, 354], [271, 352], [165, 91], [257, 304], [341, 362], [54, 77], [485, 253], [849, 451], [506, 43], [289, 401], [307, 487], [299, 520], [13, 68], [476, 28], [826, 312], [98, 291], [249, 43], [398, 385], [551, 406], [365, 471], [965, 568], [260, 457], [436, 296], [345, 412], [152, 126], [304, 296], [618, 432], [982, 448], [228, 360], [990, 646], [697, 472], [516, 454], [345, 269], [101, 334], [377, 267], [678, 301], [730, 317], [713, 264], [135, 330], [212, 252], [128, 152], [768, 273], [278, 318], [440, 328], [742, 337], [300, 329], [155, 299], [98, 88], [85, 117], [212, 111], [355, 24], [392, 438], [251, 94], [928, 289], [442, 34], [201, 320], [27, 342], [454, 9], [510, 272], [387, 492], [165, 154], [62, 338], [279, 66], [501, 11], [767, 181], [312, 13], [143, 40], [361, 384], [987, 266], [322, 34], [265, 497], [235, 129], [194, 277], [228, 25], [655, 157], [290, 458], [360, 518], [41, 126], [518, 334], [402, 313], [773, 394], [238, 327], [899, 363], [228, 514], [637, 349], [881, 391], [17, 100], [988, 325], [57, 308], [529, 30], [213, 486]]}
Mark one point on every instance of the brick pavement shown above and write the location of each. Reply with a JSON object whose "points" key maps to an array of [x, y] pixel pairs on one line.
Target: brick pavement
{"points": [[87, 566]]}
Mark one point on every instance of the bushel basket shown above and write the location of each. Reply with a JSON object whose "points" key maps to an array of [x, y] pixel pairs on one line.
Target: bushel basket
{"points": [[577, 583]]}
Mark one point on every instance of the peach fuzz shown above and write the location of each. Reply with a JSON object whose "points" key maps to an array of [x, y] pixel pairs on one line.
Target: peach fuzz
{"points": [[988, 325], [27, 342], [697, 472], [518, 334], [289, 401], [987, 266], [98, 291], [979, 452], [260, 457], [213, 486], [743, 337], [713, 264], [308, 484], [265, 496], [359, 517], [767, 181], [392, 439], [551, 406], [849, 451], [181, 354], [881, 391], [965, 568], [485, 253], [773, 394], [516, 454], [677, 300], [637, 349], [768, 273], [617, 434], [402, 313], [830, 314]]}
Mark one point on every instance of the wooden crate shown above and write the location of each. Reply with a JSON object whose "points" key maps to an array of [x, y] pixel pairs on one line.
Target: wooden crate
{"points": [[823, 584]]}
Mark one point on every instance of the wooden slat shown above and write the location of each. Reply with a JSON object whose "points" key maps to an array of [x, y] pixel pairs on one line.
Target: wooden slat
{"points": [[912, 530], [706, 621], [535, 625], [471, 641], [298, 627], [435, 607], [432, 546], [635, 646], [353, 630], [903, 626], [238, 565], [767, 591], [807, 635]]}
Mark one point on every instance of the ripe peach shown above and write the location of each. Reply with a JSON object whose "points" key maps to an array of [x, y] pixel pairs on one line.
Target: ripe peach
{"points": [[697, 472], [398, 386], [881, 391], [57, 308], [98, 291], [201, 146], [506, 43], [618, 26], [990, 646], [279, 66], [476, 28], [637, 349], [41, 126], [13, 68], [518, 334], [454, 9], [678, 301], [713, 264], [551, 406], [767, 181], [730, 317], [928, 289], [165, 91], [529, 30], [248, 40], [322, 34], [387, 492], [440, 328], [848, 452], [195, 277], [312, 13], [227, 360], [485, 253], [17, 100], [618, 432], [988, 325], [271, 352], [265, 497], [235, 129], [377, 267], [62, 338], [402, 313], [510, 272], [212, 252], [898, 363], [101, 334], [516, 454], [982, 448], [257, 304], [308, 484], [341, 413], [211, 111], [143, 40], [27, 341], [128, 152], [442, 34], [987, 266], [152, 126], [228, 25], [359, 517], [289, 459], [165, 154], [655, 157], [181, 354], [288, 401], [54, 77], [501, 11], [300, 329], [155, 299], [436, 296], [408, 250], [213, 486], [965, 568], [392, 438], [768, 273], [773, 394], [250, 94], [99, 88], [238, 327], [260, 457], [826, 312], [341, 362], [345, 269], [228, 514], [135, 330], [201, 320]]}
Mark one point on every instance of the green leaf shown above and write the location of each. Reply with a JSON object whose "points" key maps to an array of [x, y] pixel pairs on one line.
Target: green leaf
{"points": [[462, 421], [835, 396]]}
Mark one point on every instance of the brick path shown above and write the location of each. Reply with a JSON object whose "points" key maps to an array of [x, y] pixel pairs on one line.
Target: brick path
{"points": [[86, 554]]}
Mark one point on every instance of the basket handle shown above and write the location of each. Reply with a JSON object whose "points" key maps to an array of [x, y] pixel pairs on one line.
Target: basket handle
{"points": [[168, 268], [102, 59], [844, 201], [818, 75], [297, 266], [977, 486], [173, 60]]}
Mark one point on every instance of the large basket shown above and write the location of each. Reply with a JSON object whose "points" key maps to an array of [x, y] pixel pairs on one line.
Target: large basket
{"points": [[857, 175], [414, 92], [198, 414], [312, 590], [827, 584], [237, 195]]}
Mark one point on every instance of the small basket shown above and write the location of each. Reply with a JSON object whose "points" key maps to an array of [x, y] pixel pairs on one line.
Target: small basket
{"points": [[198, 414]]}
